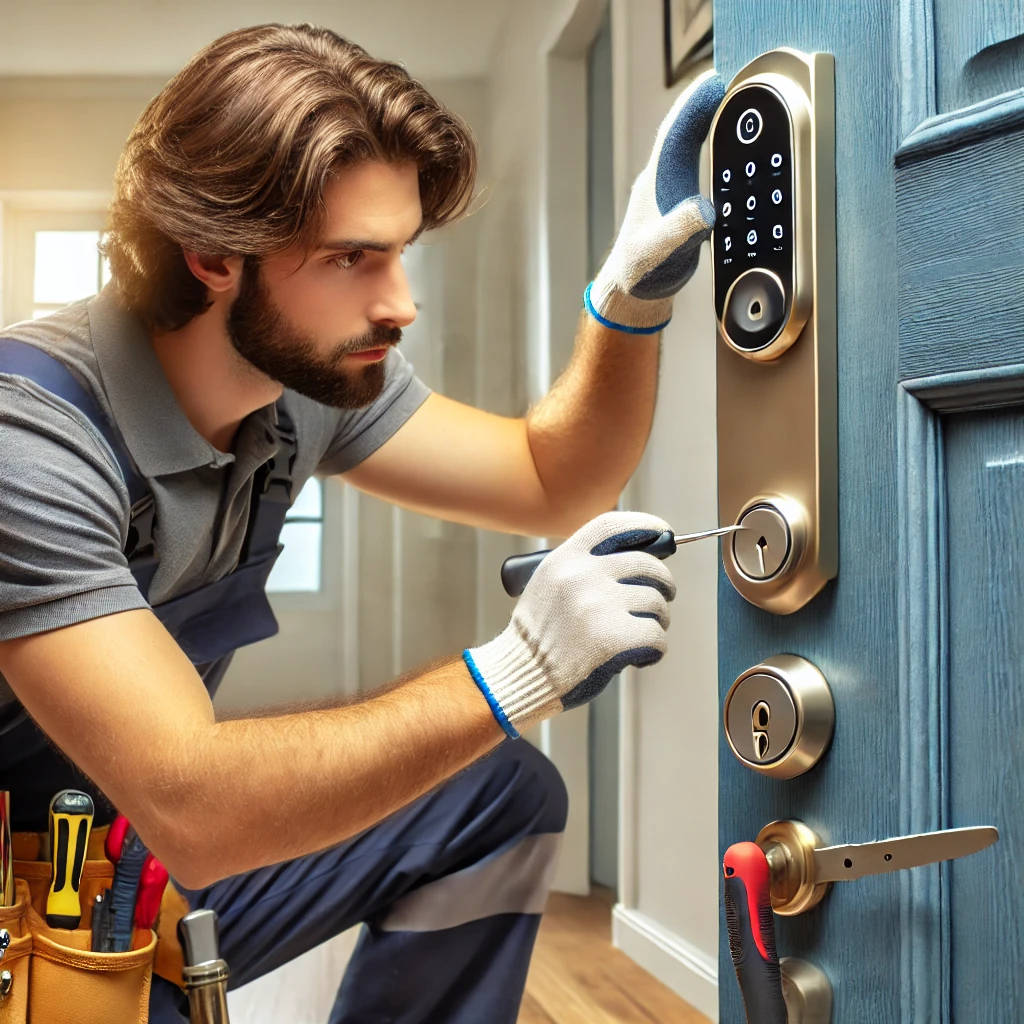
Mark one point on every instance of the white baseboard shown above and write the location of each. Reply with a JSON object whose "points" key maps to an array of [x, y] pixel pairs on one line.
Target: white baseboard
{"points": [[688, 971]]}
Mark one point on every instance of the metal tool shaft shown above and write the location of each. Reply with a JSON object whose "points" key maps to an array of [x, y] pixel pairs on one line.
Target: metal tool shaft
{"points": [[205, 973], [686, 538]]}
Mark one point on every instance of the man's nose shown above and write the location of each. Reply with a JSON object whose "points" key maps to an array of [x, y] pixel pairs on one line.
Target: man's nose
{"points": [[395, 304]]}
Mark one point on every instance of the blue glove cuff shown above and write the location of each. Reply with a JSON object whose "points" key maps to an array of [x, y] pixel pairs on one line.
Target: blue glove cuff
{"points": [[486, 691], [589, 306]]}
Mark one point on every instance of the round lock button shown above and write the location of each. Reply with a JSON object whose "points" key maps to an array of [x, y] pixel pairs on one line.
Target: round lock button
{"points": [[755, 308], [749, 125]]}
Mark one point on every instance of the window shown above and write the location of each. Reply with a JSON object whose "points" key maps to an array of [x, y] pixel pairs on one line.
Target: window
{"points": [[298, 568], [67, 266], [50, 258]]}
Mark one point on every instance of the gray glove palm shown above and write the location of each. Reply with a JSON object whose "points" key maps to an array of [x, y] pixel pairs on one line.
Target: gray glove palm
{"points": [[592, 607], [667, 218]]}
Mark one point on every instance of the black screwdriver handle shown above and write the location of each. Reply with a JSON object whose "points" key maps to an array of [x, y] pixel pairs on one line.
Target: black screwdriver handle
{"points": [[516, 570], [751, 923]]}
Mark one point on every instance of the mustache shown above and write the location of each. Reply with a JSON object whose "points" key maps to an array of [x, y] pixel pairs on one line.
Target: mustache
{"points": [[377, 337]]}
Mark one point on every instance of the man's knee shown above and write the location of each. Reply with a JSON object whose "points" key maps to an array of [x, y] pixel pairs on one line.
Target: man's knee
{"points": [[540, 791]]}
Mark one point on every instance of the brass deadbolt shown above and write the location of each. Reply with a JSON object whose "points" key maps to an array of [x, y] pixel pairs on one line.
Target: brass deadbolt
{"points": [[779, 716]]}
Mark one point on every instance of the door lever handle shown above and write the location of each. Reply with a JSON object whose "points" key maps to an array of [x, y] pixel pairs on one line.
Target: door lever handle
{"points": [[801, 868]]}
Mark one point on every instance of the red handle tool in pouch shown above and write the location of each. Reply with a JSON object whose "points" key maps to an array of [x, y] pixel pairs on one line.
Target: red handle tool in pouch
{"points": [[152, 883], [149, 878], [750, 919]]}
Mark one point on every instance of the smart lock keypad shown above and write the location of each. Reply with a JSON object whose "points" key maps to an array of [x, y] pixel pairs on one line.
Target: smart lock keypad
{"points": [[753, 197]]}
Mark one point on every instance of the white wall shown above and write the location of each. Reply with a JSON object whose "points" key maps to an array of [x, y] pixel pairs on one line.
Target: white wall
{"points": [[532, 271], [668, 915]]}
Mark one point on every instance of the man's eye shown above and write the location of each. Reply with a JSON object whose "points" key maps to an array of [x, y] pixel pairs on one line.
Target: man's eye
{"points": [[347, 260]]}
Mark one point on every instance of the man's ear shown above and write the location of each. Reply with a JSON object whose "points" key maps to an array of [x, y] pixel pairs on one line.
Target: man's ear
{"points": [[218, 273]]}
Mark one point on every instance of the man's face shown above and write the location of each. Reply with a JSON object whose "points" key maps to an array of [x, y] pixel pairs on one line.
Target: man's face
{"points": [[321, 323]]}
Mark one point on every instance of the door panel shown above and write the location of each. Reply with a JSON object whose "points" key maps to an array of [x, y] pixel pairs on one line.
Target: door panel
{"points": [[916, 635], [978, 48], [984, 720], [959, 211]]}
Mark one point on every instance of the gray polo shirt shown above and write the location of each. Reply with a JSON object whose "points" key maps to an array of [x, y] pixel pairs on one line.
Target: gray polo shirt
{"points": [[64, 506]]}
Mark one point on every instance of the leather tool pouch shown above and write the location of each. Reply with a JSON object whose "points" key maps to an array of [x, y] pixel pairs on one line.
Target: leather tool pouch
{"points": [[56, 978]]}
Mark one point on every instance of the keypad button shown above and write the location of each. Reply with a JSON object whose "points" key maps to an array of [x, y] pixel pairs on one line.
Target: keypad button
{"points": [[751, 169], [776, 159], [777, 196], [726, 209], [751, 202], [727, 175], [751, 237], [726, 243], [749, 126], [777, 231]]}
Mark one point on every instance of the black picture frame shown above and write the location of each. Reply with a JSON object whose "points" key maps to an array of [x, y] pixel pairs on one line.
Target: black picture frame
{"points": [[689, 36]]}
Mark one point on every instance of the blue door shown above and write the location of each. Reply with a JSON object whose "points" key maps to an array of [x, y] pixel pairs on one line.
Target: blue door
{"points": [[921, 636]]}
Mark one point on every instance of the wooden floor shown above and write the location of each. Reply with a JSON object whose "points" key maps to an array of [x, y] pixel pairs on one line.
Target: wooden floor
{"points": [[578, 977]]}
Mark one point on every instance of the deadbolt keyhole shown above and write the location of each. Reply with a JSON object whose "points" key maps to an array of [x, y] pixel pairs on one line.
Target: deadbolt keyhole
{"points": [[755, 311], [762, 546], [760, 717]]}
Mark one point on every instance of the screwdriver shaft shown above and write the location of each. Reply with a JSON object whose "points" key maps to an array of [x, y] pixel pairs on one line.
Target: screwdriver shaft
{"points": [[686, 538]]}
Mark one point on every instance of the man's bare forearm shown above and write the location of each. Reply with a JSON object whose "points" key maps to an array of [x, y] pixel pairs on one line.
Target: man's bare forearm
{"points": [[302, 781], [588, 433], [213, 798]]}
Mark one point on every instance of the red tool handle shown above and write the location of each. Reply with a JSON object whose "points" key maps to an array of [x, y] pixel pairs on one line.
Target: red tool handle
{"points": [[115, 838], [152, 883], [751, 923]]}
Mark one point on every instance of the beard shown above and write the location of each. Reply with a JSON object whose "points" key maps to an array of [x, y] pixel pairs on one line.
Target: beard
{"points": [[263, 337]]}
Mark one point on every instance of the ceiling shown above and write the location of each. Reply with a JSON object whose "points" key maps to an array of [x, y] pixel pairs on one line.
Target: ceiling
{"points": [[433, 38]]}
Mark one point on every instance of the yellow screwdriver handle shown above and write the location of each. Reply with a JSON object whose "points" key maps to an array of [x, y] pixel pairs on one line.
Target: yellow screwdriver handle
{"points": [[71, 813]]}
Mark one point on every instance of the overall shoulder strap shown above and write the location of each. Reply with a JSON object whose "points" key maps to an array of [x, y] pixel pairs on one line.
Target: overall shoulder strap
{"points": [[271, 492], [25, 360]]}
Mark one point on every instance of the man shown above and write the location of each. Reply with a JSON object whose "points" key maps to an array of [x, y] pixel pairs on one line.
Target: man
{"points": [[262, 204]]}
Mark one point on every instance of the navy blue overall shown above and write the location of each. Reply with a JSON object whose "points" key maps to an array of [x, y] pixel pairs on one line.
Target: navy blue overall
{"points": [[450, 888]]}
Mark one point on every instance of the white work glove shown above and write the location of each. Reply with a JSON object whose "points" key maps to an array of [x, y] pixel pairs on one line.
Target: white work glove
{"points": [[592, 607], [667, 218]]}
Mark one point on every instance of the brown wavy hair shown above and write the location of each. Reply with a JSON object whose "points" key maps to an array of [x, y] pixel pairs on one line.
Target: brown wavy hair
{"points": [[232, 157]]}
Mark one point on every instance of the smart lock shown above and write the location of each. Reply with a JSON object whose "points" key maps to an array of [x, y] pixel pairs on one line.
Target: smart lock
{"points": [[774, 252]]}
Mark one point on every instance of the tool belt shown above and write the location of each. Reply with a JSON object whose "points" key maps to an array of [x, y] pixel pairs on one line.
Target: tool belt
{"points": [[55, 977]]}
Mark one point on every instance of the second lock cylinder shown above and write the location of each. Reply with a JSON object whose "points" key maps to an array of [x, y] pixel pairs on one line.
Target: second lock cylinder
{"points": [[779, 716]]}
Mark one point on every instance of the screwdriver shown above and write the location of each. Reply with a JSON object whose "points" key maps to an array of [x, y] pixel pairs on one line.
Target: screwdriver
{"points": [[71, 813], [517, 569]]}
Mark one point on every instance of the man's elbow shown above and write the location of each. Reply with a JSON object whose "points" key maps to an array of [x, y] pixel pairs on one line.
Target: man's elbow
{"points": [[183, 826], [187, 848]]}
